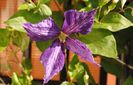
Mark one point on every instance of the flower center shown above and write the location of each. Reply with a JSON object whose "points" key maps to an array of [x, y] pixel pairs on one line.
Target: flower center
{"points": [[62, 37]]}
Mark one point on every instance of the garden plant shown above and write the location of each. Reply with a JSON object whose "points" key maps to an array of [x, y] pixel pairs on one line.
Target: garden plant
{"points": [[88, 28]]}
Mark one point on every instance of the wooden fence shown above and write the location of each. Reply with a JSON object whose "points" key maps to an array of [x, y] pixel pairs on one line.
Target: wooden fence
{"points": [[7, 9]]}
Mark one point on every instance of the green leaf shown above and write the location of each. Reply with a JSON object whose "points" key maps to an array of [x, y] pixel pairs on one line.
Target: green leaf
{"points": [[113, 22], [15, 80], [67, 83], [129, 81], [100, 42], [22, 16], [4, 38], [76, 71], [16, 23], [73, 62], [44, 10], [112, 6], [21, 40], [27, 65], [25, 79], [103, 2], [43, 45], [26, 6], [113, 66], [58, 18]]}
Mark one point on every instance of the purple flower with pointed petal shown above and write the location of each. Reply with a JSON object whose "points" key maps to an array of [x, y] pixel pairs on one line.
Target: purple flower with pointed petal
{"points": [[53, 57]]}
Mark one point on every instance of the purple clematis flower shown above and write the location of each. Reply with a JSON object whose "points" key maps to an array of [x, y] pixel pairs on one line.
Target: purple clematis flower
{"points": [[53, 58]]}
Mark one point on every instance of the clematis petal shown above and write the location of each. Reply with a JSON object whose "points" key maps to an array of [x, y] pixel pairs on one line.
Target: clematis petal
{"points": [[78, 21], [43, 30], [53, 60], [80, 49]]}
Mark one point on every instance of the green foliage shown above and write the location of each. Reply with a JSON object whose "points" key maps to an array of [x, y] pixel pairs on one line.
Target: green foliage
{"points": [[16, 23], [109, 35], [113, 22], [26, 6], [27, 66], [67, 83], [4, 38], [56, 16], [25, 78], [22, 16], [129, 81], [20, 39], [43, 45], [79, 71], [15, 80], [44, 10], [113, 66], [103, 2], [100, 42]]}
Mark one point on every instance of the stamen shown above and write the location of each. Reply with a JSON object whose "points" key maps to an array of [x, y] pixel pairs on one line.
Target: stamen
{"points": [[62, 37]]}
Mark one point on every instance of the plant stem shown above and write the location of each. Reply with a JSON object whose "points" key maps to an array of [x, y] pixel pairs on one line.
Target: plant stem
{"points": [[99, 11], [63, 75]]}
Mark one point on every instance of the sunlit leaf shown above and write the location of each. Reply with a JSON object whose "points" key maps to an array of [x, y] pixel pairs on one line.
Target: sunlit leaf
{"points": [[100, 42], [112, 6], [15, 80], [20, 17], [44, 10], [113, 22], [103, 2], [26, 6]]}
